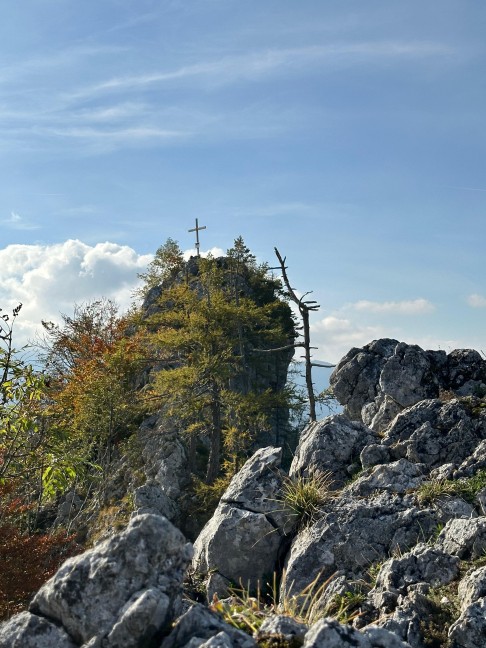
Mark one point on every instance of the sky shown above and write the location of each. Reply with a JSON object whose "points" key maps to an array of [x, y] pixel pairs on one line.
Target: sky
{"points": [[350, 135]]}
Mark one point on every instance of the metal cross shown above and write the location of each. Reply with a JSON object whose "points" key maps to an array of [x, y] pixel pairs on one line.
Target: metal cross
{"points": [[197, 230]]}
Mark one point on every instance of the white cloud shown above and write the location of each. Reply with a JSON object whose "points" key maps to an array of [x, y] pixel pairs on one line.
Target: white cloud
{"points": [[16, 222], [49, 279], [258, 65], [476, 301], [335, 336], [410, 307], [214, 252]]}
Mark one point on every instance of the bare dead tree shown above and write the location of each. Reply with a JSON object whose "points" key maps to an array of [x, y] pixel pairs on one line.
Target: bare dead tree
{"points": [[305, 308]]}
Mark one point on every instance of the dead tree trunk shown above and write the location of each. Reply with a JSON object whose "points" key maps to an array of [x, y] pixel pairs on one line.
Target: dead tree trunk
{"points": [[305, 307]]}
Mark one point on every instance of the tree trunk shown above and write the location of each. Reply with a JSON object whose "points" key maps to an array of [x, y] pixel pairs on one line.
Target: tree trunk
{"points": [[308, 365]]}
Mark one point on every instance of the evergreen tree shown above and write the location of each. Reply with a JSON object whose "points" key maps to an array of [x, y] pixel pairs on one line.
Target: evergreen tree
{"points": [[206, 334], [168, 260]]}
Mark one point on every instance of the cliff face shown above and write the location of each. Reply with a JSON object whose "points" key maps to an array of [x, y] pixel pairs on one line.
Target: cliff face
{"points": [[389, 533]]}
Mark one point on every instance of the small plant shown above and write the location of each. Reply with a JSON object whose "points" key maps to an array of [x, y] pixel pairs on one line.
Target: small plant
{"points": [[247, 612], [345, 607], [444, 609], [304, 496], [373, 571], [467, 488]]}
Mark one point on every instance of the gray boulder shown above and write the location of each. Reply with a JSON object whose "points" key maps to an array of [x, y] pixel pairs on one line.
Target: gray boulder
{"points": [[396, 477], [26, 630], [435, 433], [472, 587], [376, 382], [331, 445], [469, 630], [151, 498], [279, 629], [327, 633], [354, 533], [465, 538], [465, 372], [410, 619], [422, 564], [123, 591], [241, 541], [198, 626], [166, 467]]}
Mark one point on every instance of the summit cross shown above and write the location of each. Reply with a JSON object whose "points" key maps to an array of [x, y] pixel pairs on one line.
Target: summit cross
{"points": [[197, 229]]}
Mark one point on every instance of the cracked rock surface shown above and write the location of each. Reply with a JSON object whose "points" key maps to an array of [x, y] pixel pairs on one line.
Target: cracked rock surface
{"points": [[241, 542]]}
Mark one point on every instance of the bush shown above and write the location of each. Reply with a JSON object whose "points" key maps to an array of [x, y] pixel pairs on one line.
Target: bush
{"points": [[27, 559]]}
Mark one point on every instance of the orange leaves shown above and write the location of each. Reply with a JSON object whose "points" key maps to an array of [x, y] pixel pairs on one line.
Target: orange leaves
{"points": [[27, 560]]}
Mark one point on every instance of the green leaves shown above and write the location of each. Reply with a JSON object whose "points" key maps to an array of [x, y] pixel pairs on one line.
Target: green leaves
{"points": [[204, 334]]}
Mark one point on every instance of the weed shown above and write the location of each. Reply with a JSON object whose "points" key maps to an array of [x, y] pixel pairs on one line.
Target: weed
{"points": [[345, 607], [373, 571], [467, 488], [303, 497], [247, 612]]}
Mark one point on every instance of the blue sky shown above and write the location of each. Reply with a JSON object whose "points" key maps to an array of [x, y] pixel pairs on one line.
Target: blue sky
{"points": [[351, 135]]}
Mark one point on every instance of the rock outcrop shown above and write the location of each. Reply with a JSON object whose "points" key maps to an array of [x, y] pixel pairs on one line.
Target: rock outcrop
{"points": [[395, 548], [241, 542], [377, 382], [125, 591]]}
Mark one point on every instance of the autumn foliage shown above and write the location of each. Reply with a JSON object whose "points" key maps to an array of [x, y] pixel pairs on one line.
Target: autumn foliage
{"points": [[27, 560]]}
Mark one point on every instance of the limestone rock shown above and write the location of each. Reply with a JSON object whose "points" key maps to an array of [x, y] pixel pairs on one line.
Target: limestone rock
{"points": [[164, 456], [469, 630], [331, 445], [374, 454], [465, 538], [26, 630], [241, 541], [376, 382], [354, 533], [256, 487], [472, 587], [127, 587], [151, 498], [396, 477], [327, 633], [383, 377], [282, 630], [435, 433], [421, 564], [198, 625], [409, 619]]}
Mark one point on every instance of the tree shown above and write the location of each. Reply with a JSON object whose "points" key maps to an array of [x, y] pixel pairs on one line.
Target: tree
{"points": [[205, 331], [27, 450], [168, 260], [92, 365], [22, 439], [305, 308]]}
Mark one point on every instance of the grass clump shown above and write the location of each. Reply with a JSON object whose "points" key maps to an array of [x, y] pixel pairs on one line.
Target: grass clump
{"points": [[467, 488], [303, 496], [247, 612]]}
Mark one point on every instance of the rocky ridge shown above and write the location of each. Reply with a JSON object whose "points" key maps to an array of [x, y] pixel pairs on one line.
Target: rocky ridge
{"points": [[395, 546]]}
